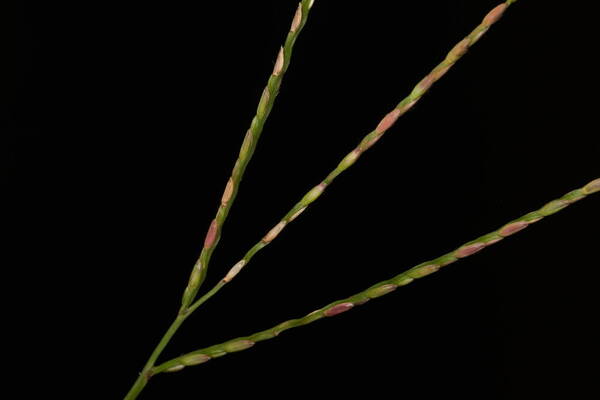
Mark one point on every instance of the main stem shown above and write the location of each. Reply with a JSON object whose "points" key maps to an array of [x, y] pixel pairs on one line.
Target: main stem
{"points": [[148, 371]]}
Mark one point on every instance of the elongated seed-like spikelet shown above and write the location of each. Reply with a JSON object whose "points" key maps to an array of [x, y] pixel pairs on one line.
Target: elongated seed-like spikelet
{"points": [[388, 286]]}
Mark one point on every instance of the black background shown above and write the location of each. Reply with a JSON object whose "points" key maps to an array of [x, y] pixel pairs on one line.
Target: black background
{"points": [[125, 121]]}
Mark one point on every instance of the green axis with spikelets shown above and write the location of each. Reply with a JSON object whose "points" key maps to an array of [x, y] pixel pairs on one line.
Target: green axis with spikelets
{"points": [[381, 288], [265, 105]]}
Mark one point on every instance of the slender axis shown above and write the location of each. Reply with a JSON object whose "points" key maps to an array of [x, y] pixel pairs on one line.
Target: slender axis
{"points": [[370, 139], [246, 151], [381, 288]]}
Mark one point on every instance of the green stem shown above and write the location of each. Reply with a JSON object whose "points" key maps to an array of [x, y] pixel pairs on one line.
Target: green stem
{"points": [[382, 288], [263, 110], [136, 389], [148, 371], [369, 140]]}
